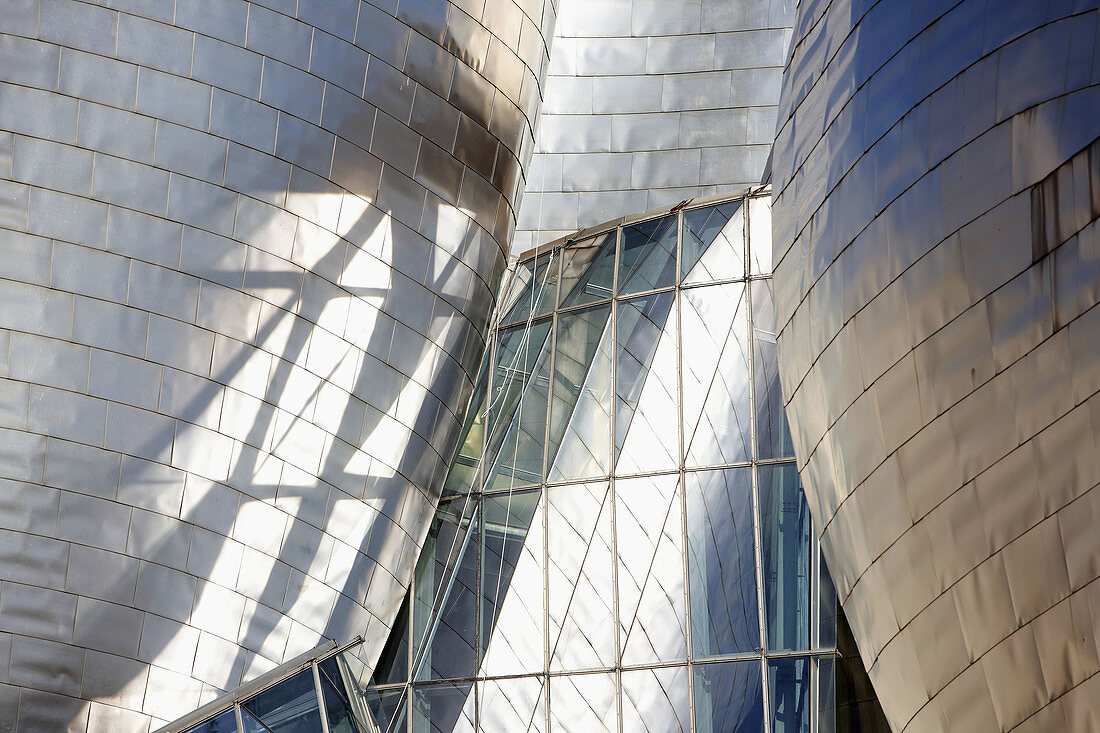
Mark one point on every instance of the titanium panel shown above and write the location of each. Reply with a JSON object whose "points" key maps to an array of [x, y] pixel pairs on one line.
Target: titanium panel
{"points": [[682, 93], [935, 206], [250, 252]]}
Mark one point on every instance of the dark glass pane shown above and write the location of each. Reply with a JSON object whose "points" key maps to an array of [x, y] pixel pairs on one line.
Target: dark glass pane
{"points": [[583, 702], [518, 285], [515, 704], [251, 725], [446, 538], [386, 708], [338, 709], [519, 458], [447, 708], [826, 695], [581, 588], [649, 533], [729, 698], [789, 694], [450, 636], [785, 536], [520, 352], [224, 723], [461, 476], [588, 270], [656, 700], [714, 244], [721, 562], [857, 707], [717, 404], [648, 257], [578, 371], [511, 584], [393, 664], [773, 436], [288, 707], [641, 336], [827, 607], [537, 297]]}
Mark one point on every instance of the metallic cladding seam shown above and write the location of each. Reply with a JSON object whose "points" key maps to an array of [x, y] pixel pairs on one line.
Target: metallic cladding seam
{"points": [[936, 245], [250, 252], [651, 103]]}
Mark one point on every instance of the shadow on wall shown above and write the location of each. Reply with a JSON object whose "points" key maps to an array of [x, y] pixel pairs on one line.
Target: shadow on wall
{"points": [[344, 415]]}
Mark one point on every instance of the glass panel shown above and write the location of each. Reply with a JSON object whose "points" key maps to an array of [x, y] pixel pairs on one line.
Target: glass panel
{"points": [[519, 352], [393, 664], [384, 706], [729, 698], [721, 561], [224, 723], [716, 375], [857, 707], [582, 395], [519, 460], [645, 355], [588, 270], [714, 244], [443, 546], [538, 296], [511, 584], [460, 477], [338, 708], [583, 702], [789, 693], [450, 651], [773, 436], [826, 695], [251, 725], [288, 707], [446, 708], [827, 606], [517, 704], [581, 594], [656, 700], [760, 235], [649, 531], [785, 536], [648, 257], [518, 286]]}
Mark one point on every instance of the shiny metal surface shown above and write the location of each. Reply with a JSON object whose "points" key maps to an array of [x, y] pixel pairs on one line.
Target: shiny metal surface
{"points": [[650, 103], [935, 215], [249, 253]]}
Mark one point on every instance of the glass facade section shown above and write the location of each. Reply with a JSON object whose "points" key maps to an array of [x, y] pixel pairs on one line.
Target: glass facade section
{"points": [[628, 547]]}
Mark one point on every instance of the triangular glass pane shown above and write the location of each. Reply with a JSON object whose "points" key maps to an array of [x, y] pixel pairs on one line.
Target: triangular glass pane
{"points": [[579, 335], [443, 546], [384, 707], [515, 704], [717, 408], [517, 285], [713, 243], [588, 272], [518, 351], [586, 442], [652, 437], [511, 584], [648, 527], [518, 461], [461, 476], [337, 705], [639, 326], [648, 257], [773, 434], [289, 706], [393, 664], [537, 298], [251, 725], [760, 235], [581, 591]]}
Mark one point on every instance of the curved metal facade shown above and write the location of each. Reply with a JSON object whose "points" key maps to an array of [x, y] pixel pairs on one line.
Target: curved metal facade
{"points": [[937, 192], [650, 103], [249, 253]]}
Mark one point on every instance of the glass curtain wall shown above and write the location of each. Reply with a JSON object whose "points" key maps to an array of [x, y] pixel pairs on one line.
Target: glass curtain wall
{"points": [[623, 543]]}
